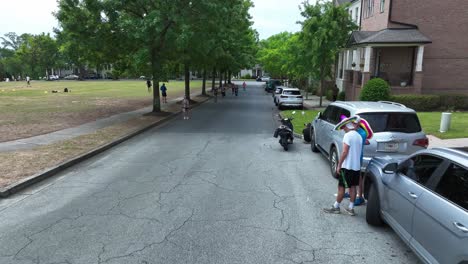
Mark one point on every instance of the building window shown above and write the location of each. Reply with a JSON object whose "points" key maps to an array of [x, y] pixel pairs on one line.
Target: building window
{"points": [[351, 14], [382, 6], [357, 15], [371, 7]]}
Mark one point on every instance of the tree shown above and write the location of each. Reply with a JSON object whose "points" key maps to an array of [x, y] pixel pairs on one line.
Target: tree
{"points": [[325, 31]]}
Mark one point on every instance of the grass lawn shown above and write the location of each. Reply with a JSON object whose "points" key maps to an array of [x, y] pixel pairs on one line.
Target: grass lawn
{"points": [[430, 122], [29, 111], [300, 119]]}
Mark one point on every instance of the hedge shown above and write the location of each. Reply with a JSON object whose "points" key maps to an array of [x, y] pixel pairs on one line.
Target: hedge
{"points": [[432, 102], [342, 96]]}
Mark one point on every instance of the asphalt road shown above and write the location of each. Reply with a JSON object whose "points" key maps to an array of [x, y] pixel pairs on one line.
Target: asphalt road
{"points": [[217, 188]]}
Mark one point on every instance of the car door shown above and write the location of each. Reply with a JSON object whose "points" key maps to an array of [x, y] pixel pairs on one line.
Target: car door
{"points": [[403, 189], [320, 123], [440, 222]]}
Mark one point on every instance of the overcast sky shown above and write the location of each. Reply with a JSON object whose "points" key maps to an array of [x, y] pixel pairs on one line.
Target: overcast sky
{"points": [[35, 16]]}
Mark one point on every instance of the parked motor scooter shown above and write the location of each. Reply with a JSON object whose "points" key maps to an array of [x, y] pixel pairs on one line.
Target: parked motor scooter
{"points": [[285, 132]]}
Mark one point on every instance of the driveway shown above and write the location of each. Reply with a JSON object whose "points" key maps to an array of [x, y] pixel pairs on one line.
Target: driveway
{"points": [[217, 188]]}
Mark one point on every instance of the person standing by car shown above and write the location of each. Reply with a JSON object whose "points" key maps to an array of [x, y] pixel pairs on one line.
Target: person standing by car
{"points": [[349, 167], [164, 93]]}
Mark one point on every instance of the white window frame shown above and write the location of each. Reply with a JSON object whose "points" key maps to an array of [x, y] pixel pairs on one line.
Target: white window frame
{"points": [[382, 6]]}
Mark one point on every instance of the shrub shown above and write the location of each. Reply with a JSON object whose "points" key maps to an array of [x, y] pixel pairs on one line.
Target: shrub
{"points": [[418, 102], [375, 90], [342, 96], [247, 76]]}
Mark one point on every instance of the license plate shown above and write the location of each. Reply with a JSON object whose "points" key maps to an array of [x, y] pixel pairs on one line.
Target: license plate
{"points": [[391, 146]]}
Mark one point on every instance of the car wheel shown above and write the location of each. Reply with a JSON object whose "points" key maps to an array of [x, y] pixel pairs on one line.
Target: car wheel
{"points": [[373, 208], [313, 145], [306, 134], [333, 162]]}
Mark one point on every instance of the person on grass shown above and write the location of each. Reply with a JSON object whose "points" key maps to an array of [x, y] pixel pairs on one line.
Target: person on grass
{"points": [[164, 93], [348, 168]]}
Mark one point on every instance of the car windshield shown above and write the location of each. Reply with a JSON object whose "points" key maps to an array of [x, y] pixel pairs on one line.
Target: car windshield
{"points": [[291, 93], [393, 122]]}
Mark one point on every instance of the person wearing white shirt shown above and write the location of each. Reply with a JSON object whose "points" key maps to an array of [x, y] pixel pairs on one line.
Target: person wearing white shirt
{"points": [[348, 168]]}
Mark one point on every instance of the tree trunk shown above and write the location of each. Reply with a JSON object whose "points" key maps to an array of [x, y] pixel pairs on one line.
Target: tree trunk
{"points": [[213, 80], [187, 80], [155, 69], [220, 79], [322, 84], [204, 83]]}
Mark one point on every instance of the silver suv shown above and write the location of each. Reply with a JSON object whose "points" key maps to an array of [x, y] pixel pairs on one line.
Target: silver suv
{"points": [[424, 198], [397, 131]]}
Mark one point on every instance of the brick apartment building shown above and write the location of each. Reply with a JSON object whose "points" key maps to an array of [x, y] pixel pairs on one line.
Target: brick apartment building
{"points": [[418, 46]]}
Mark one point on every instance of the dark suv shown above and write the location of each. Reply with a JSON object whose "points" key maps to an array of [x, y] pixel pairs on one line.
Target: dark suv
{"points": [[271, 85], [397, 131]]}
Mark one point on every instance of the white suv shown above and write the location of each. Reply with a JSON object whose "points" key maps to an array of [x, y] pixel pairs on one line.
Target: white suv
{"points": [[290, 97]]}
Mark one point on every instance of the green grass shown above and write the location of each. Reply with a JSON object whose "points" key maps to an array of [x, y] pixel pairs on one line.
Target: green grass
{"points": [[430, 122], [300, 119], [114, 89]]}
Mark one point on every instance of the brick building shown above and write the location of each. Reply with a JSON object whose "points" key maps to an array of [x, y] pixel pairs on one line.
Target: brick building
{"points": [[418, 46]]}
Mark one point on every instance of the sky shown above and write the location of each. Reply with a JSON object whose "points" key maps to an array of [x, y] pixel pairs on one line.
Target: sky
{"points": [[35, 16]]}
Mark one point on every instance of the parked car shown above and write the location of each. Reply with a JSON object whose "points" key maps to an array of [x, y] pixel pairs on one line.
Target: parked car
{"points": [[290, 97], [71, 77], [424, 198], [397, 131], [53, 77], [265, 78], [277, 94], [271, 85]]}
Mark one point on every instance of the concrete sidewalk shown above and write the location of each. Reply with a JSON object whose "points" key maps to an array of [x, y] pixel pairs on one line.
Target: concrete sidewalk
{"points": [[49, 138], [313, 102]]}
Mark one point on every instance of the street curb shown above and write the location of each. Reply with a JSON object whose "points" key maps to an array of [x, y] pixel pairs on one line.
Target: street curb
{"points": [[47, 173]]}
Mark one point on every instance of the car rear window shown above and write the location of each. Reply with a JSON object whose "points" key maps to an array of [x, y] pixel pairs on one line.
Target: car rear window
{"points": [[393, 122], [291, 93]]}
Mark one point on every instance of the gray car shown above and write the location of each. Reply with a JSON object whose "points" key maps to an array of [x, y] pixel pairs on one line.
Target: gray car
{"points": [[424, 198], [397, 131]]}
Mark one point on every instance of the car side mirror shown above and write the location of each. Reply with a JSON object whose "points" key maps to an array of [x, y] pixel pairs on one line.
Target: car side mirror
{"points": [[390, 168]]}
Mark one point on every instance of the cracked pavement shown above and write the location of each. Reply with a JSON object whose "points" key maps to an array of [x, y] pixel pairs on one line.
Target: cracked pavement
{"points": [[217, 188]]}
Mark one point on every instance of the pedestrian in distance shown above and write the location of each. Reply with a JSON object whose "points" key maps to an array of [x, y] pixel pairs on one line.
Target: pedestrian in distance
{"points": [[164, 93], [185, 107], [223, 90], [244, 85], [148, 84], [236, 90], [215, 94], [349, 166], [28, 80], [335, 92], [233, 88]]}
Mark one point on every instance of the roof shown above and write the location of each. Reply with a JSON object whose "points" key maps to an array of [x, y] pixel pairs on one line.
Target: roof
{"points": [[363, 106], [388, 36], [289, 88]]}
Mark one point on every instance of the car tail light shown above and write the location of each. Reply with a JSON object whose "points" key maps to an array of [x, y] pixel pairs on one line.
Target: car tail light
{"points": [[422, 142], [367, 142], [283, 96]]}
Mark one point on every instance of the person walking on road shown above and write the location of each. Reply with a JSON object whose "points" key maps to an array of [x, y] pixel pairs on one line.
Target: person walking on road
{"points": [[164, 93], [223, 90], [349, 166], [185, 107], [244, 85], [148, 85], [215, 94]]}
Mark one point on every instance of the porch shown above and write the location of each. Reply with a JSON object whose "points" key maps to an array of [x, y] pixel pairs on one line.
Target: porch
{"points": [[393, 55]]}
